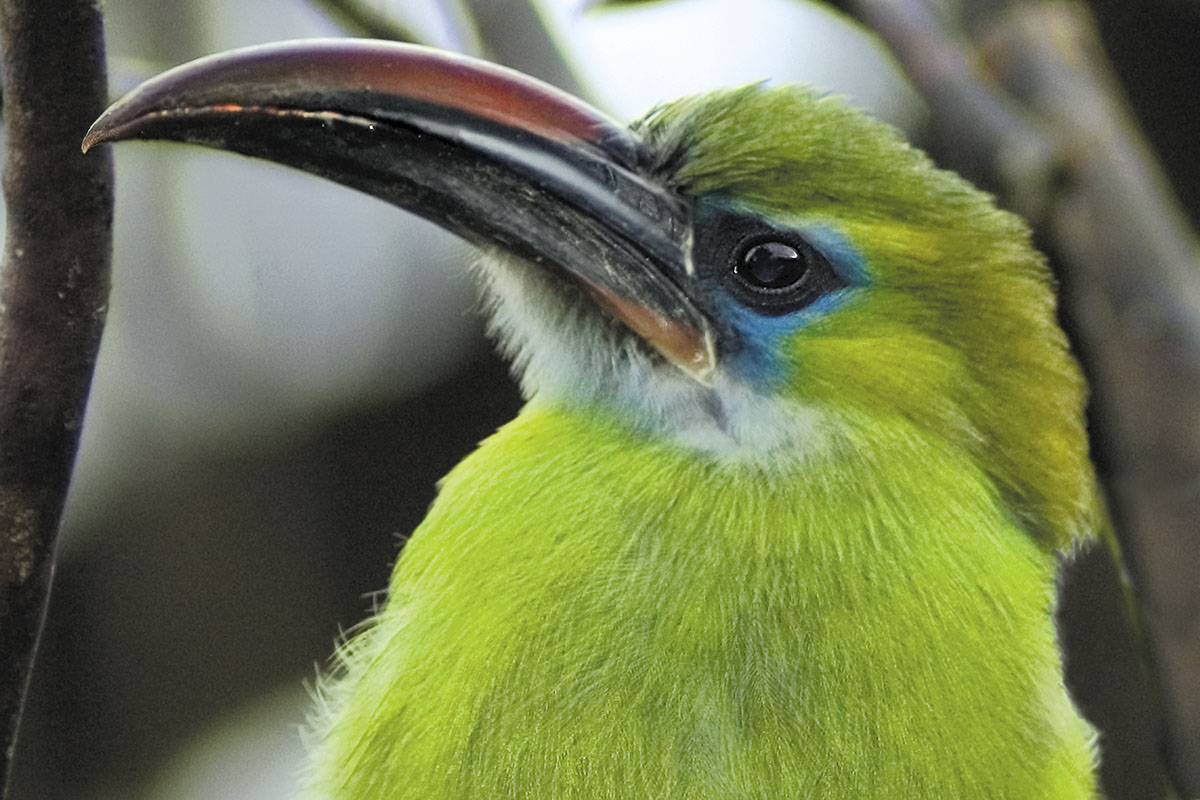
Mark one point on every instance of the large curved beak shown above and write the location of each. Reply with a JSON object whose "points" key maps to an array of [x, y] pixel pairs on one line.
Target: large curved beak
{"points": [[490, 154]]}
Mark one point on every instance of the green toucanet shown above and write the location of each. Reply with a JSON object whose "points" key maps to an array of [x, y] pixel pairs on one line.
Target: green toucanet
{"points": [[802, 446]]}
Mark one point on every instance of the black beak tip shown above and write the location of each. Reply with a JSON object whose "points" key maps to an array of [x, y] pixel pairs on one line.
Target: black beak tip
{"points": [[100, 133]]}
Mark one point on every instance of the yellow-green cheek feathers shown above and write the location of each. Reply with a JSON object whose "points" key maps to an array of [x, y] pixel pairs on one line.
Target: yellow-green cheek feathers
{"points": [[584, 612], [951, 325], [1011, 405]]}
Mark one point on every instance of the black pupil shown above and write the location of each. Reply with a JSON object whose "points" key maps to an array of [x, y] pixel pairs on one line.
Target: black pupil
{"points": [[772, 265]]}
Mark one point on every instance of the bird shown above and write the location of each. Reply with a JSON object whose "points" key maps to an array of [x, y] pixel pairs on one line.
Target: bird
{"points": [[801, 452]]}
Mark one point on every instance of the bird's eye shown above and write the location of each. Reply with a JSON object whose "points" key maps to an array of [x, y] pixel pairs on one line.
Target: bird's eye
{"points": [[771, 267], [777, 272]]}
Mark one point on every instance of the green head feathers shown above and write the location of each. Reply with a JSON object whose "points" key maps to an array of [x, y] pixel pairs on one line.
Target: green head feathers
{"points": [[948, 316]]}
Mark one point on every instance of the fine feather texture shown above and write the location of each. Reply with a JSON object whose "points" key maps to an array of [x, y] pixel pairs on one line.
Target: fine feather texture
{"points": [[586, 614], [561, 348], [954, 325], [832, 579]]}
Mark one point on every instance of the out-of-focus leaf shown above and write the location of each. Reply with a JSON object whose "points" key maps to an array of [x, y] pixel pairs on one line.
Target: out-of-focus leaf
{"points": [[439, 23], [603, 5], [364, 19]]}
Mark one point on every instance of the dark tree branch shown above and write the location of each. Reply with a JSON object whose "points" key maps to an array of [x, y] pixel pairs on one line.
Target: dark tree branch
{"points": [[1024, 102], [53, 295]]}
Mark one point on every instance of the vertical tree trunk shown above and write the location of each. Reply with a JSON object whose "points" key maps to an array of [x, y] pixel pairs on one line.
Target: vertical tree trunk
{"points": [[53, 295]]}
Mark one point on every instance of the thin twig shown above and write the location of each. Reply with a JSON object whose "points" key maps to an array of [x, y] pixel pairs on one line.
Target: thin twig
{"points": [[364, 19], [514, 33], [53, 294], [976, 127]]}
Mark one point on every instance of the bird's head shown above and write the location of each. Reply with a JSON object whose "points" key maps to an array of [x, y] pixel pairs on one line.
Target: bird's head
{"points": [[744, 274]]}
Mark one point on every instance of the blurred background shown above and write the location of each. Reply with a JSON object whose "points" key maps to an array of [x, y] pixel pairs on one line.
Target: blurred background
{"points": [[289, 367]]}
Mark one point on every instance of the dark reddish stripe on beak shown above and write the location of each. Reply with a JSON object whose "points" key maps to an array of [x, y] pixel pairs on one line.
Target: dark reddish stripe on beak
{"points": [[277, 73], [488, 153]]}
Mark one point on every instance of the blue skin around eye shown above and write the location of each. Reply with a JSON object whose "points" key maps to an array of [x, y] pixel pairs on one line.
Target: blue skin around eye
{"points": [[847, 262], [760, 359]]}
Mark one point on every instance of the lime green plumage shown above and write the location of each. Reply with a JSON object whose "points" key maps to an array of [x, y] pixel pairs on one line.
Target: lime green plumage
{"points": [[846, 592], [583, 612]]}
